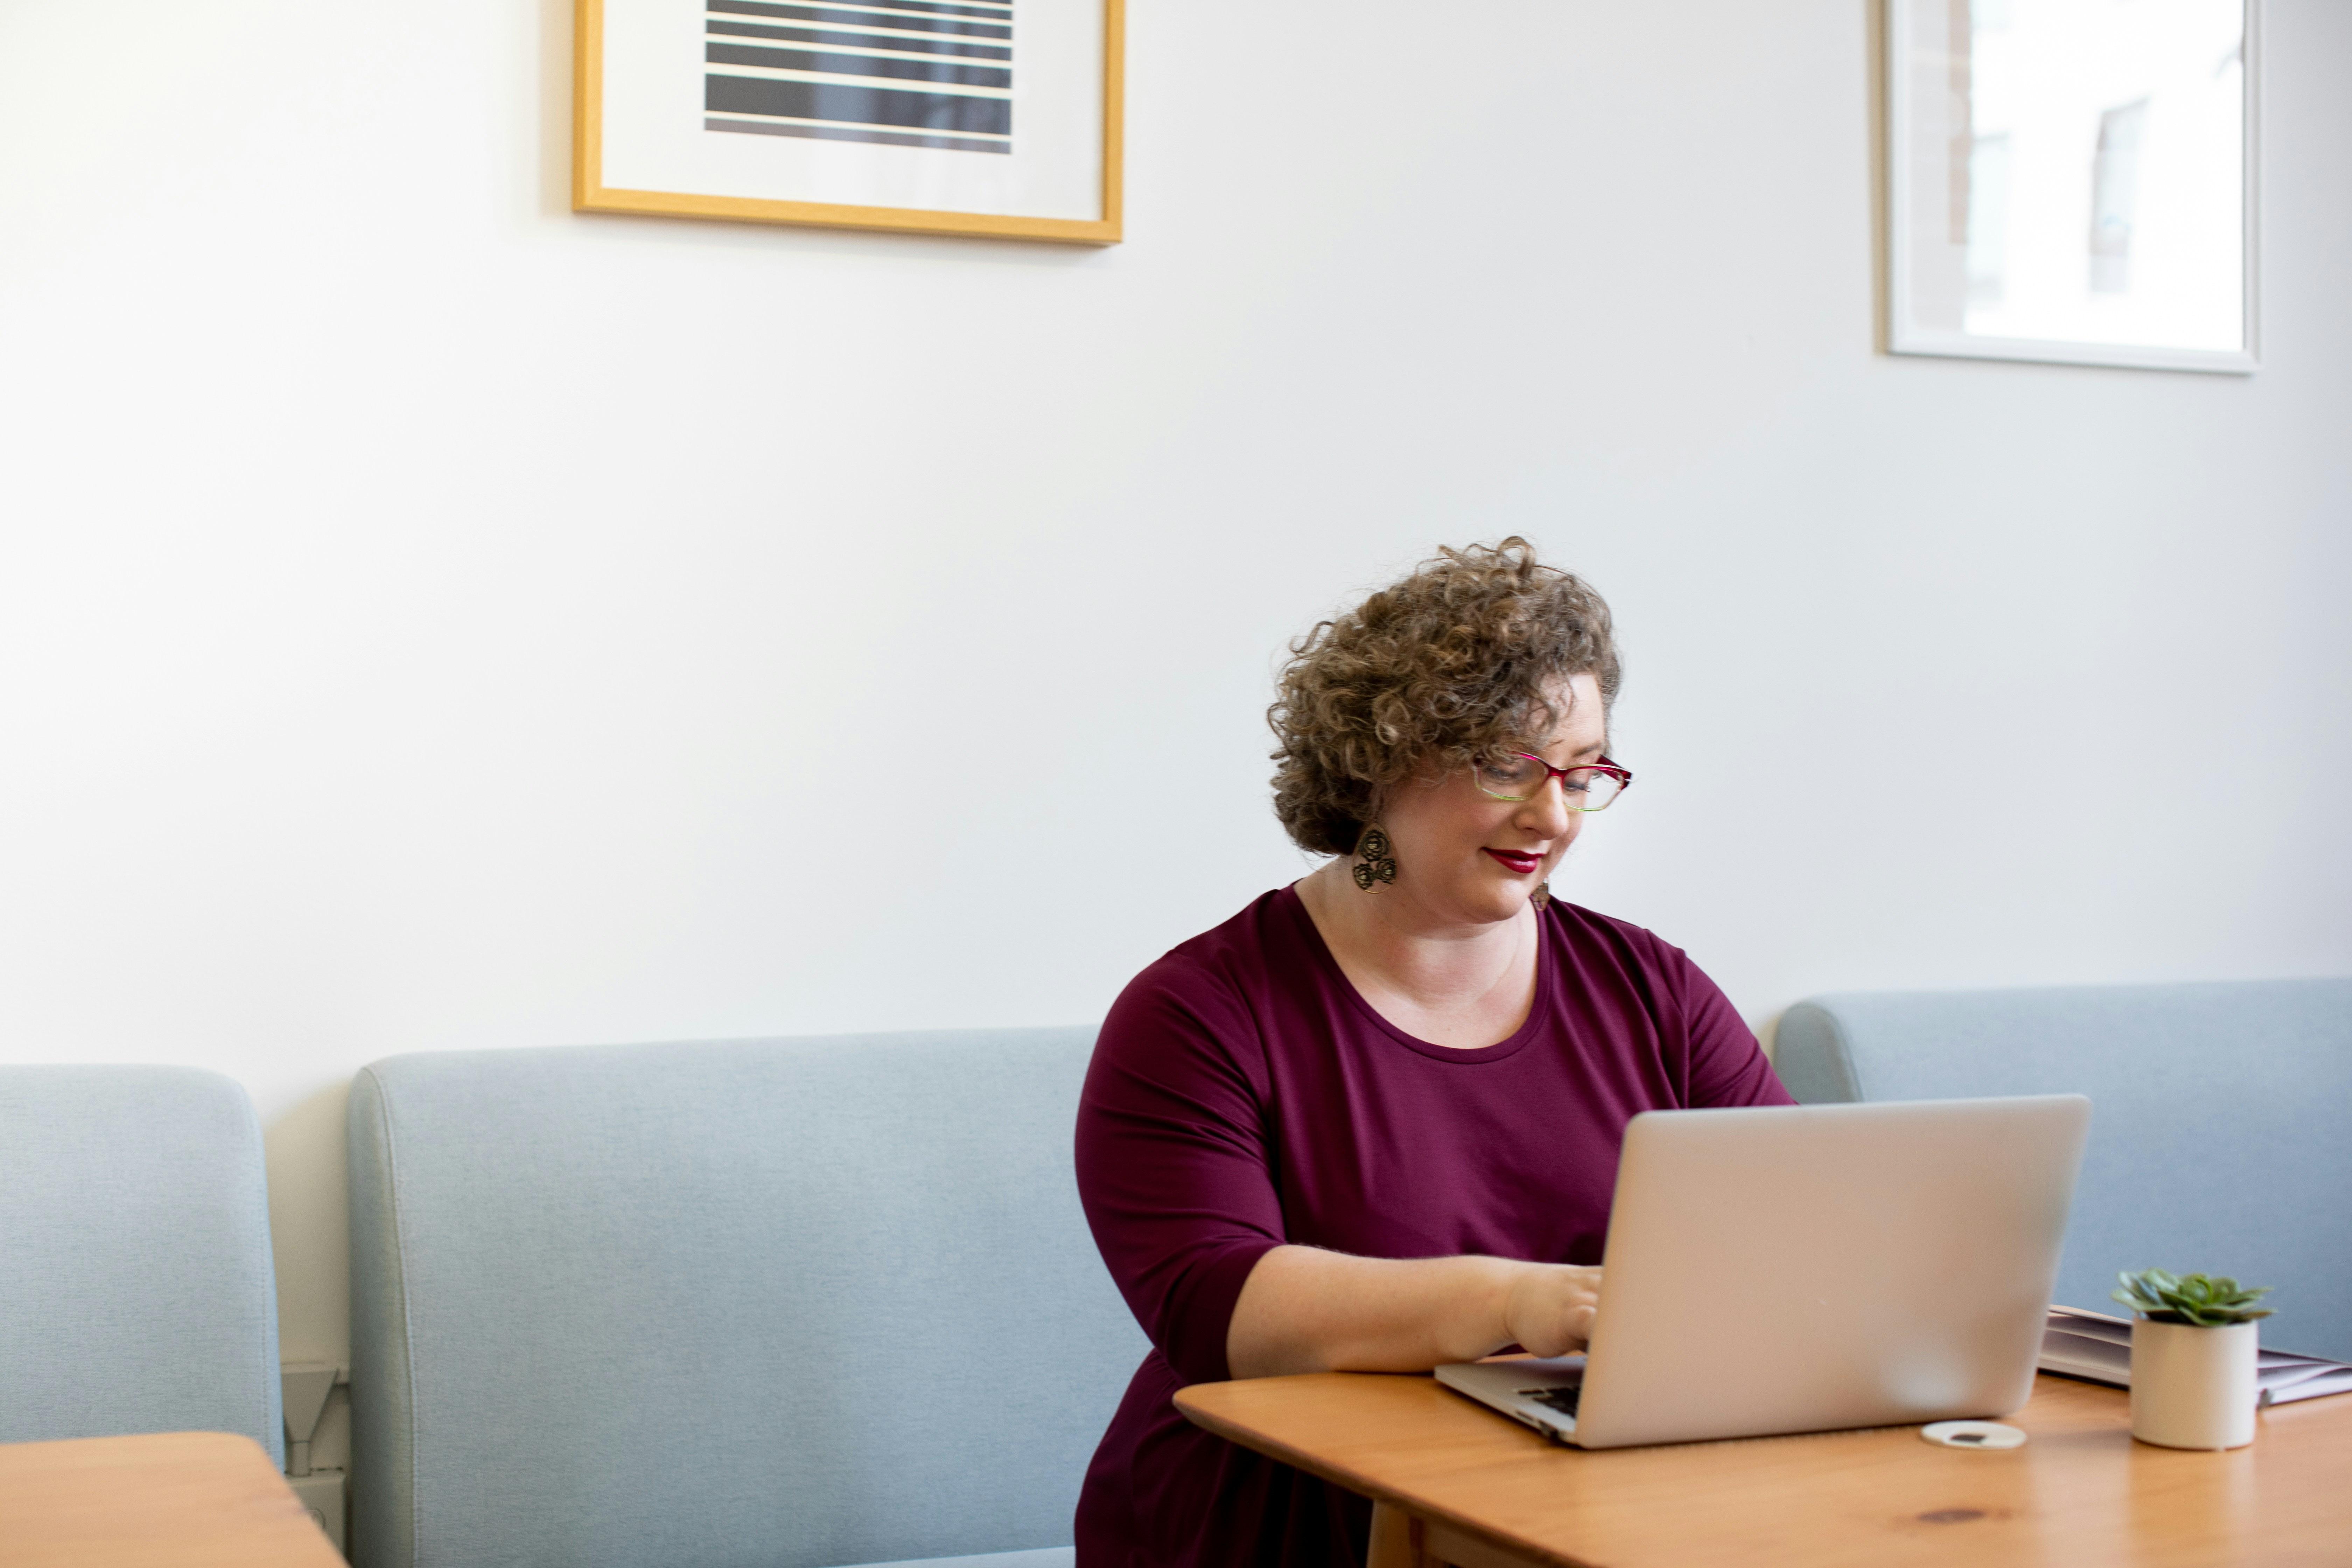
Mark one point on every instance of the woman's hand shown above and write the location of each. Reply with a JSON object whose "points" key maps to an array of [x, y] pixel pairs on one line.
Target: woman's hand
{"points": [[1306, 1310], [1550, 1308]]}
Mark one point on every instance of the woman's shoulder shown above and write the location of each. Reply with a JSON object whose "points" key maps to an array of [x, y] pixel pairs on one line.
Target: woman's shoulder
{"points": [[1233, 957], [1711, 1054], [1212, 990], [1585, 935]]}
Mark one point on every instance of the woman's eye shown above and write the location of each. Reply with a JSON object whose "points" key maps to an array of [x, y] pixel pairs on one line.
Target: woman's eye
{"points": [[1512, 773]]}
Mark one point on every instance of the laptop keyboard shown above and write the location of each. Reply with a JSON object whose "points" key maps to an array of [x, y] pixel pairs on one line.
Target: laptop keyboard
{"points": [[1561, 1399]]}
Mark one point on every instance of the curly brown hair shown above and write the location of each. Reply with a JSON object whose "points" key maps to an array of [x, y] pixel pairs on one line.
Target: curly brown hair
{"points": [[1448, 665]]}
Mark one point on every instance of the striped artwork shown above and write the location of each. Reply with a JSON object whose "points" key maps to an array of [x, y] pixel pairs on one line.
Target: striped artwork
{"points": [[905, 73]]}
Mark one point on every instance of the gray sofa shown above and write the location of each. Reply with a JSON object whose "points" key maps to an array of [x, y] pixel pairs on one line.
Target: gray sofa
{"points": [[136, 1291], [2220, 1119], [789, 1303], [799, 1303]]}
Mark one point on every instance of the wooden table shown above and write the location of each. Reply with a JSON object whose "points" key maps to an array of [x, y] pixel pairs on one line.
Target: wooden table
{"points": [[189, 1499], [1465, 1486]]}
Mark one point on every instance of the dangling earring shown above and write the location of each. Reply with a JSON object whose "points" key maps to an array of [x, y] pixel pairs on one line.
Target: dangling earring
{"points": [[1374, 863], [1541, 897]]}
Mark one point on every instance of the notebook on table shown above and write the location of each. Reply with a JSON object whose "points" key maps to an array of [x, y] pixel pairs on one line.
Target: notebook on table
{"points": [[2097, 1346]]}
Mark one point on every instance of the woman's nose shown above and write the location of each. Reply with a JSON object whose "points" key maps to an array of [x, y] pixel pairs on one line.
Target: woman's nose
{"points": [[1546, 811]]}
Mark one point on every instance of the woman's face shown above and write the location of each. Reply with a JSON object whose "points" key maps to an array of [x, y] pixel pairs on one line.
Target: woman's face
{"points": [[1465, 858]]}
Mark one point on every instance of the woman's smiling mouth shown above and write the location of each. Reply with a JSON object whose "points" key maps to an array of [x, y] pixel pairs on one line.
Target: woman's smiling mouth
{"points": [[1512, 860]]}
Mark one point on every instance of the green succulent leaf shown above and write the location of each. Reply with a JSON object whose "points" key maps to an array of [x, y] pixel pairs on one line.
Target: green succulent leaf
{"points": [[2206, 1300]]}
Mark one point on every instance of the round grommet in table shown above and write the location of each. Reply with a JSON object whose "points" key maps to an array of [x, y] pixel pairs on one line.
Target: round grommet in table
{"points": [[1973, 1434]]}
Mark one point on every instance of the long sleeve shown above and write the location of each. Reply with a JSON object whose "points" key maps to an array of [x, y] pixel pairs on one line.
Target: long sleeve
{"points": [[1173, 1161]]}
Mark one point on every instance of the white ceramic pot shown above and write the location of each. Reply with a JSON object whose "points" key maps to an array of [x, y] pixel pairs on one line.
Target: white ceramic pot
{"points": [[2192, 1387]]}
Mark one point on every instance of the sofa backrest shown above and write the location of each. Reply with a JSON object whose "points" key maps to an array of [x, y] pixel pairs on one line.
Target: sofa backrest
{"points": [[784, 1303], [136, 1291], [2220, 1119]]}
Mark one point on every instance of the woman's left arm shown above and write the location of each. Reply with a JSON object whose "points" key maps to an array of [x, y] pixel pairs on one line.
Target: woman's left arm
{"points": [[1724, 1066]]}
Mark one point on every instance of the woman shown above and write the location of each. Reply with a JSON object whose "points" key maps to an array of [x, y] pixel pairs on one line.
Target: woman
{"points": [[1371, 1123]]}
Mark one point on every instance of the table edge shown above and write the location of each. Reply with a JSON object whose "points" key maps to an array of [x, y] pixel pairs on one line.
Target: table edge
{"points": [[1340, 1475]]}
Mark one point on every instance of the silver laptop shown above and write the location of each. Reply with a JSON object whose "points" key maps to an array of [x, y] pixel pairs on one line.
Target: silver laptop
{"points": [[1803, 1268]]}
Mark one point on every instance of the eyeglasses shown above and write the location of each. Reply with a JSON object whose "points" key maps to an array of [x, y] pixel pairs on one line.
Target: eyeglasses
{"points": [[1519, 775]]}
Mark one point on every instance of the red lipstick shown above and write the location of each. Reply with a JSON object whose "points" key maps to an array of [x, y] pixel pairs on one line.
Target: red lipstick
{"points": [[1524, 865]]}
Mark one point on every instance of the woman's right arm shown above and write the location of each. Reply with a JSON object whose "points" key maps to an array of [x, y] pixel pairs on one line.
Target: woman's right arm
{"points": [[1306, 1310], [1173, 1169], [1173, 1161]]}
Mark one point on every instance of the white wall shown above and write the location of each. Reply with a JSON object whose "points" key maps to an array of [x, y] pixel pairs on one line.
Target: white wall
{"points": [[430, 619]]}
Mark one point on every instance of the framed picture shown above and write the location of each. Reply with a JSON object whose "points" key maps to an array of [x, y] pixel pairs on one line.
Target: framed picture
{"points": [[2073, 181], [977, 117]]}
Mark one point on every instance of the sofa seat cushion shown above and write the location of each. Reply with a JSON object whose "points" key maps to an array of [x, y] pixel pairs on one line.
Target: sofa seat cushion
{"points": [[136, 1290], [743, 1304]]}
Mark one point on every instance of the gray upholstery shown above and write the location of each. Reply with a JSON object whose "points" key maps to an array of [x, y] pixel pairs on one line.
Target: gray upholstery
{"points": [[779, 1302], [136, 1292], [2220, 1119]]}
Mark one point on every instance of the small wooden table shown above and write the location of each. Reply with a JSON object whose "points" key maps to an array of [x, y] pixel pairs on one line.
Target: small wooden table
{"points": [[188, 1499], [1466, 1487]]}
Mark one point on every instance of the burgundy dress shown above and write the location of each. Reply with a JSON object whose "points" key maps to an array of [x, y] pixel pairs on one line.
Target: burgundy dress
{"points": [[1243, 1095]]}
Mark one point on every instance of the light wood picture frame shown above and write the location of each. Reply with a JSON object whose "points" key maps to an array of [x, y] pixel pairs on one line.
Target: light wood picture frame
{"points": [[945, 117], [2074, 182]]}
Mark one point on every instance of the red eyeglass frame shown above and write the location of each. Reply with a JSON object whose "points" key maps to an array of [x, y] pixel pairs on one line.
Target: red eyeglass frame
{"points": [[1623, 775]]}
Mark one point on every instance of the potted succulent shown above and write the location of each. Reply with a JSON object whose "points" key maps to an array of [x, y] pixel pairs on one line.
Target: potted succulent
{"points": [[2193, 1358]]}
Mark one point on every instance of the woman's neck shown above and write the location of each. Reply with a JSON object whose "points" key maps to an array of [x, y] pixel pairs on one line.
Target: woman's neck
{"points": [[1453, 983]]}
